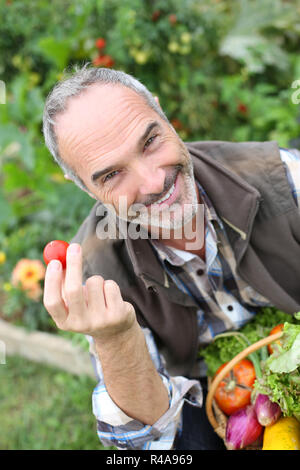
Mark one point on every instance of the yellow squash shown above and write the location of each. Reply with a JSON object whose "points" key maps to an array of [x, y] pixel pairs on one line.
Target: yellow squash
{"points": [[283, 435]]}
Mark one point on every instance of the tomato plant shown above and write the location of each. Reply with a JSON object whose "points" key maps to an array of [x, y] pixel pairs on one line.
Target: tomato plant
{"points": [[234, 391], [57, 249]]}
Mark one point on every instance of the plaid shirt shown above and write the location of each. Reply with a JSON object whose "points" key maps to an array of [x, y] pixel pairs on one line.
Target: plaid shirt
{"points": [[225, 302]]}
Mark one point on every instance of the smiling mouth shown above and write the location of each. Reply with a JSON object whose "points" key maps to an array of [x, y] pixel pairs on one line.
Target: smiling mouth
{"points": [[167, 195]]}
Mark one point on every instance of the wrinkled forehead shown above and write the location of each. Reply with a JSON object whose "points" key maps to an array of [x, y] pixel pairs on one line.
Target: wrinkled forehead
{"points": [[102, 110], [101, 102]]}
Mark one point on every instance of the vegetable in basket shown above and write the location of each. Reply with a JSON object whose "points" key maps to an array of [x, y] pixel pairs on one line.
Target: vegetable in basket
{"points": [[280, 379], [225, 348], [234, 391], [274, 330], [242, 428], [281, 382], [283, 435], [279, 433], [277, 384], [266, 411]]}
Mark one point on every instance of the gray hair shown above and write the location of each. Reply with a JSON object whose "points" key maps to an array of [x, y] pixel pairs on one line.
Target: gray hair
{"points": [[72, 85]]}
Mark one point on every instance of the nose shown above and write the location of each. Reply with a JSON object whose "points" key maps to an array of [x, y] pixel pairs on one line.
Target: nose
{"points": [[151, 180]]}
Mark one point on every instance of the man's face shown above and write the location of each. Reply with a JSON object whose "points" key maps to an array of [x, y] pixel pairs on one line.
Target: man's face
{"points": [[123, 150]]}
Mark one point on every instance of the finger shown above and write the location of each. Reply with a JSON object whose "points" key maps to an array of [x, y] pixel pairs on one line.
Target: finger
{"points": [[112, 295], [95, 294], [85, 292], [63, 287], [52, 298], [73, 289]]}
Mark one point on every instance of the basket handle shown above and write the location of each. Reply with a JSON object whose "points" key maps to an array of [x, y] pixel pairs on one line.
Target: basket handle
{"points": [[253, 347]]}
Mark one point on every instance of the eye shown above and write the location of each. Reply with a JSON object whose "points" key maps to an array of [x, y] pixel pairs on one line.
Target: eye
{"points": [[149, 141], [110, 176]]}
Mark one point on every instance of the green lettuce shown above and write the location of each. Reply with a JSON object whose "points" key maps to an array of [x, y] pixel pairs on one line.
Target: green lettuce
{"points": [[286, 361], [280, 378], [223, 348]]}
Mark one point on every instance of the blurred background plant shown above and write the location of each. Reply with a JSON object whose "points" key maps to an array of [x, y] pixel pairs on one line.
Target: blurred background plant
{"points": [[222, 70]]}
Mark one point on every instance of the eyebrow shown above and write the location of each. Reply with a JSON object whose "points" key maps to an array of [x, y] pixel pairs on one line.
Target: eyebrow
{"points": [[95, 176]]}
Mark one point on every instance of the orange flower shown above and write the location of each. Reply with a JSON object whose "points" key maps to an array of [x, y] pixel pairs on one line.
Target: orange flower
{"points": [[27, 273], [34, 292]]}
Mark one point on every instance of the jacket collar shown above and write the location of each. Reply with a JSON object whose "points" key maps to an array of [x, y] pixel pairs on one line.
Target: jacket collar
{"points": [[235, 201]]}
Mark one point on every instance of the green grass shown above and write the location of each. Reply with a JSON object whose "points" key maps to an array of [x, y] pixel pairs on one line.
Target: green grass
{"points": [[42, 408]]}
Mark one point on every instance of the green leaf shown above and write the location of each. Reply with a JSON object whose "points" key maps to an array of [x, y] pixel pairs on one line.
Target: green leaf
{"points": [[6, 213], [297, 316], [247, 41], [289, 360], [14, 143], [56, 50]]}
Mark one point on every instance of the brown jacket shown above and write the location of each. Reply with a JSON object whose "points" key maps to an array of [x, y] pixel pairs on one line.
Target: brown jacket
{"points": [[247, 184]]}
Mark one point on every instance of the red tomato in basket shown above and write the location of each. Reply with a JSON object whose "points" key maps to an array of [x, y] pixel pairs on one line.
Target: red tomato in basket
{"points": [[234, 391], [274, 330], [57, 249]]}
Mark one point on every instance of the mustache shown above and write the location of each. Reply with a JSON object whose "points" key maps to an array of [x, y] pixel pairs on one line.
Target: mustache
{"points": [[169, 181]]}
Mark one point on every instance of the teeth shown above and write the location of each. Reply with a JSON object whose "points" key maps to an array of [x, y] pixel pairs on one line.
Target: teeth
{"points": [[167, 195]]}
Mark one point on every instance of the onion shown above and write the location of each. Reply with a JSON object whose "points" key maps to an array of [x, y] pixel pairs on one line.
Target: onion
{"points": [[267, 412], [242, 428]]}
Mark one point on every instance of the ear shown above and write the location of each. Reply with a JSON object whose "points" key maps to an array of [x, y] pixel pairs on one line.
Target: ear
{"points": [[157, 100], [67, 178]]}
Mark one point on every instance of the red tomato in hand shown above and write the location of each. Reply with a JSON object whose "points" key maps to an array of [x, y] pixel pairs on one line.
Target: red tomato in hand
{"points": [[234, 391], [57, 249], [274, 330]]}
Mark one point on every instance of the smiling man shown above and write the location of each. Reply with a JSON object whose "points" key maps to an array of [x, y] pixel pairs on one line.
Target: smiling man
{"points": [[149, 303], [108, 147]]}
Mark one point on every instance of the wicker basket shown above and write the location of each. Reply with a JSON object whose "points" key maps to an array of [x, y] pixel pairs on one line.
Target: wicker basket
{"points": [[216, 417]]}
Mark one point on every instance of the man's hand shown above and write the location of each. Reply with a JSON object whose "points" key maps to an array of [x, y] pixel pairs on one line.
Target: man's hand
{"points": [[96, 308]]}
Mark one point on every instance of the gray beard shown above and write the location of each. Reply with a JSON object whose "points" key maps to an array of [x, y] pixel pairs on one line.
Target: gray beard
{"points": [[172, 218]]}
